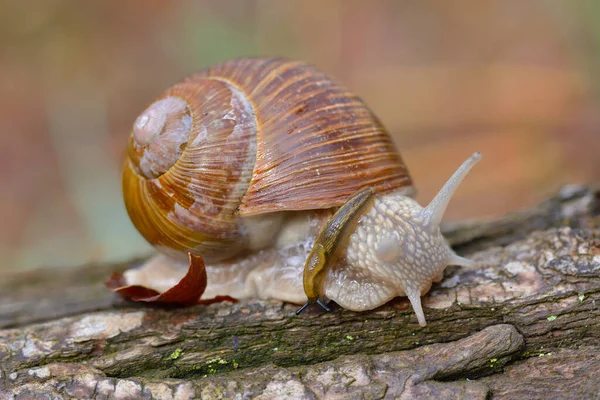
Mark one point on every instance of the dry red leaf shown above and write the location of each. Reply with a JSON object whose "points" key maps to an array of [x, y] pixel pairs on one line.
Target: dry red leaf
{"points": [[186, 292]]}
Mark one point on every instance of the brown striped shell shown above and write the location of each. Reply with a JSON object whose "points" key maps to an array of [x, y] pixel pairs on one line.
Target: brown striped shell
{"points": [[250, 137]]}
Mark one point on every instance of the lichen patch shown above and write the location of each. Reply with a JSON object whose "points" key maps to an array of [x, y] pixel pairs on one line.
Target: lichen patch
{"points": [[34, 347], [127, 390], [40, 373], [105, 325], [105, 387], [290, 389], [516, 268]]}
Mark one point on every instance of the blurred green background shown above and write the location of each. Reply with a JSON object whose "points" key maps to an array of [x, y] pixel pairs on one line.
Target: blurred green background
{"points": [[516, 80]]}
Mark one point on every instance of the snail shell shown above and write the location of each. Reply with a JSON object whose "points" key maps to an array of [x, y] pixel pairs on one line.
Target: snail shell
{"points": [[214, 161]]}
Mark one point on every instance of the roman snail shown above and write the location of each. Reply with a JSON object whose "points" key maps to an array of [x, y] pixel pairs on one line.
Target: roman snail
{"points": [[287, 185]]}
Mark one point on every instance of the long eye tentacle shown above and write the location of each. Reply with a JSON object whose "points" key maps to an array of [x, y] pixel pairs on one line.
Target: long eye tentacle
{"points": [[434, 212]]}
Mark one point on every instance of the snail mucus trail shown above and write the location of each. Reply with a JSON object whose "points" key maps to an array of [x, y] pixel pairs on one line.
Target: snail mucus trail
{"points": [[287, 185]]}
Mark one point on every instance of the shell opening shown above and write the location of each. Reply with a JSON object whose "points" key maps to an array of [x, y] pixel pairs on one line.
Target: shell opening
{"points": [[159, 136]]}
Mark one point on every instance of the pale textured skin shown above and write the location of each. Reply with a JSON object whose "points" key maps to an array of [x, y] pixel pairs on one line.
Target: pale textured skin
{"points": [[397, 249], [422, 256]]}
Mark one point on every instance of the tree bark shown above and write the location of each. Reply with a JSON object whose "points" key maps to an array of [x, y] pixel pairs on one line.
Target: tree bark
{"points": [[524, 324]]}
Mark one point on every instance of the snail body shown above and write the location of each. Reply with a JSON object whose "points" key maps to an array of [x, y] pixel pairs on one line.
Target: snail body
{"points": [[396, 249], [256, 164]]}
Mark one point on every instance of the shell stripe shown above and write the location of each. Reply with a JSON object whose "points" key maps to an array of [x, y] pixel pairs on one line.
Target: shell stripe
{"points": [[305, 120]]}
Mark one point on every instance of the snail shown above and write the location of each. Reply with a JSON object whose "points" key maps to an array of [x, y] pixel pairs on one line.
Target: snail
{"points": [[287, 185]]}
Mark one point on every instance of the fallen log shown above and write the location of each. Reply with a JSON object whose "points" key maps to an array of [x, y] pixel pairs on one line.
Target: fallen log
{"points": [[531, 305]]}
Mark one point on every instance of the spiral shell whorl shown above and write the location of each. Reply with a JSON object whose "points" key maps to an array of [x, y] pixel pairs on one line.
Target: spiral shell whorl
{"points": [[159, 136], [204, 136]]}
